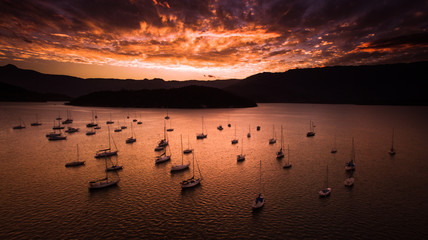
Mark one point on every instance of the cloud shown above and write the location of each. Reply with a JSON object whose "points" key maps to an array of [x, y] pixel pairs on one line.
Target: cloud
{"points": [[244, 37]]}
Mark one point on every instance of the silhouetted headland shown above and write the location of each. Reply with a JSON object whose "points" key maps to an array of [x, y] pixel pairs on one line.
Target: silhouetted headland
{"points": [[10, 93], [185, 97]]}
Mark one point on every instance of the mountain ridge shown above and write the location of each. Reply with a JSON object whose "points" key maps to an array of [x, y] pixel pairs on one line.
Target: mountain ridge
{"points": [[391, 84]]}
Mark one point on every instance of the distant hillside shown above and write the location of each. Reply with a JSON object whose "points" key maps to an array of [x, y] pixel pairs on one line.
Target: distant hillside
{"points": [[9, 93], [185, 97], [395, 84], [74, 87]]}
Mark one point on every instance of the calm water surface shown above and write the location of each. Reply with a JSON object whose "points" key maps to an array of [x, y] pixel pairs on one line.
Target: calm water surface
{"points": [[40, 198]]}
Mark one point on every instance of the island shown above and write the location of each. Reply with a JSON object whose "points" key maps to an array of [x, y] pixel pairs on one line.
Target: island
{"points": [[184, 97]]}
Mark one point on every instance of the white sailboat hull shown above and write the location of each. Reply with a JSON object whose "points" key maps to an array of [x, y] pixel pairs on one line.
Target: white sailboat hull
{"points": [[105, 154], [114, 168], [102, 184], [259, 202], [325, 192], [349, 168], [162, 159], [287, 165], [349, 182], [179, 167], [190, 183]]}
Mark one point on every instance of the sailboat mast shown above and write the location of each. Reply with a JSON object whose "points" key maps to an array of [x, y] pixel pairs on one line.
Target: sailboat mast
{"points": [[353, 151], [164, 130], [260, 175], [181, 137], [193, 155], [282, 139], [327, 177], [132, 130], [105, 160], [109, 143]]}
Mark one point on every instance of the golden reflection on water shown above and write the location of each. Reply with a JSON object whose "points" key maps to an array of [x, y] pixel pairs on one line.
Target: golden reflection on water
{"points": [[40, 196]]}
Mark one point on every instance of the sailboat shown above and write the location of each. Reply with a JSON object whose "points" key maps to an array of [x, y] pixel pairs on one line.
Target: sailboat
{"points": [[54, 133], [36, 123], [311, 132], [326, 191], [140, 122], [260, 199], [273, 139], [57, 127], [288, 163], [170, 129], [192, 182], [280, 153], [241, 157], [349, 182], [124, 126], [249, 131], [182, 166], [118, 129], [92, 123], [109, 121], [71, 130], [188, 150], [90, 132], [59, 116], [202, 135], [166, 117], [114, 167], [103, 183], [56, 136], [350, 166], [163, 142], [392, 150], [131, 139], [163, 157], [69, 119], [106, 152], [235, 140], [334, 149], [77, 162], [220, 127], [20, 126]]}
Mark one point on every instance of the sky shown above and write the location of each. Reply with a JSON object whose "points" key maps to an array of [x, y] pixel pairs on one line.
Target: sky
{"points": [[207, 39]]}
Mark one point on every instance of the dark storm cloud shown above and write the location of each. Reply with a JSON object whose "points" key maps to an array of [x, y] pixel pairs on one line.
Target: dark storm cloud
{"points": [[413, 40]]}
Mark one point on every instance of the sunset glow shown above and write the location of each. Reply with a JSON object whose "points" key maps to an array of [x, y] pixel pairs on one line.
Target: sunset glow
{"points": [[179, 40]]}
